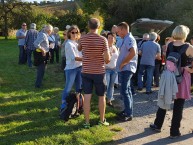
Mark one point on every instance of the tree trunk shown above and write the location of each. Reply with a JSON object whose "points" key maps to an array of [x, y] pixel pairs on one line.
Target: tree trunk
{"points": [[6, 26], [5, 21]]}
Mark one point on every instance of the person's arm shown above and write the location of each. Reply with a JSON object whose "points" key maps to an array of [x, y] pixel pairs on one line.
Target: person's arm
{"points": [[106, 53], [190, 70], [79, 45], [107, 56], [158, 55], [40, 38], [19, 35], [70, 53], [78, 58], [189, 51], [140, 52], [26, 39], [128, 58]]}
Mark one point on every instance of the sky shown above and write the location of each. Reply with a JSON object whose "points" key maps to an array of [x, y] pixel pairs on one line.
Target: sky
{"points": [[42, 0]]}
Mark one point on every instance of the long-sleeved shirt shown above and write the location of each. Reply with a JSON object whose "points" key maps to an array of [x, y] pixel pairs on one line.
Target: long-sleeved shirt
{"points": [[30, 38], [71, 51], [63, 49], [42, 41], [51, 40], [57, 39]]}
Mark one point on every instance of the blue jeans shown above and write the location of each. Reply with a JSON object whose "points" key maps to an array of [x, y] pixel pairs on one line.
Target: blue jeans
{"points": [[22, 55], [149, 73], [110, 78], [72, 76], [29, 61], [125, 90], [40, 75]]}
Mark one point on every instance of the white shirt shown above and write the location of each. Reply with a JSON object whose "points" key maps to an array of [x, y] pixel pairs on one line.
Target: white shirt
{"points": [[114, 56], [71, 51]]}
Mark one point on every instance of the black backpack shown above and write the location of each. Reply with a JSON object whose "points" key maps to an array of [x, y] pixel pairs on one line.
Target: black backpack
{"points": [[73, 105], [175, 58]]}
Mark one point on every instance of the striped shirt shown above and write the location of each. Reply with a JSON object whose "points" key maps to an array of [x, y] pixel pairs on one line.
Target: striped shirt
{"points": [[93, 48]]}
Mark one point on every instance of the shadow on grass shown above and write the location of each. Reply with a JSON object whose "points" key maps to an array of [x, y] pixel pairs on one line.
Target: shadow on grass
{"points": [[38, 129]]}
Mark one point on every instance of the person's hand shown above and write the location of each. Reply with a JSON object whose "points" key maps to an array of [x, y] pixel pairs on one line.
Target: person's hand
{"points": [[188, 69], [121, 66], [25, 47], [43, 52]]}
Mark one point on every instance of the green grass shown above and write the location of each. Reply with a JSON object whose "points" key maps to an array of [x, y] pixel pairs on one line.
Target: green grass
{"points": [[29, 116]]}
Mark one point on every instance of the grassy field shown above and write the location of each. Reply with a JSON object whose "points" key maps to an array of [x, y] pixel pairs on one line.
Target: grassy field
{"points": [[30, 116]]}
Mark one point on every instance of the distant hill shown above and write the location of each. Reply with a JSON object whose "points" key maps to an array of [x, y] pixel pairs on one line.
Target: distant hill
{"points": [[70, 6]]}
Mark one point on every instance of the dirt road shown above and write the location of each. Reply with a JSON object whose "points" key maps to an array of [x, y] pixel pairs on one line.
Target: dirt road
{"points": [[137, 131]]}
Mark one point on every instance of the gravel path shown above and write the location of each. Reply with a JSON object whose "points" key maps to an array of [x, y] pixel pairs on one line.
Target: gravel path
{"points": [[137, 131]]}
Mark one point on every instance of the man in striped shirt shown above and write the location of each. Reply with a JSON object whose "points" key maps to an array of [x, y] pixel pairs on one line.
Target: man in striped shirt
{"points": [[95, 52]]}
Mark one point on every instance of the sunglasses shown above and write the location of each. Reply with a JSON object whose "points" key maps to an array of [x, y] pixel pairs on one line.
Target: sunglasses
{"points": [[24, 25], [74, 32]]}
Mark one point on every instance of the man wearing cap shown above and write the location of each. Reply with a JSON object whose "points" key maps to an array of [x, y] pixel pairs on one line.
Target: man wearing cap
{"points": [[20, 35], [29, 40]]}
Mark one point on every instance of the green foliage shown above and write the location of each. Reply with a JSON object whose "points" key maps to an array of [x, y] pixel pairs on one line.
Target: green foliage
{"points": [[115, 11], [71, 18]]}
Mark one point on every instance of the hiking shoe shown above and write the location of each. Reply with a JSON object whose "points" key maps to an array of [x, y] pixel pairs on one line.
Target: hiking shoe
{"points": [[150, 92], [139, 89], [110, 104], [154, 127], [124, 118], [174, 136], [86, 125], [121, 113], [104, 123]]}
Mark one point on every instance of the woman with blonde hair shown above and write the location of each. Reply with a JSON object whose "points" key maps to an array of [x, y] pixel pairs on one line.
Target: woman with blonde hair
{"points": [[179, 35]]}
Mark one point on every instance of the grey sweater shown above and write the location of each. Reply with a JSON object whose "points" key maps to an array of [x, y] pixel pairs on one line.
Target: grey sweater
{"points": [[168, 89]]}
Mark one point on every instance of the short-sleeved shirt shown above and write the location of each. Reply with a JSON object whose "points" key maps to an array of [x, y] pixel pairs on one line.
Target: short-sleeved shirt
{"points": [[149, 50], [128, 43], [19, 33], [93, 48]]}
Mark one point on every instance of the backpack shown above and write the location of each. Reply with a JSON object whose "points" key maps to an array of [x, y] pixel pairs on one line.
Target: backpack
{"points": [[173, 61], [73, 105], [78, 107]]}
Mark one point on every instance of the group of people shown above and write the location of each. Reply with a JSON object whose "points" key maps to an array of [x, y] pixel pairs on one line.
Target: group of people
{"points": [[46, 40], [26, 40], [95, 61]]}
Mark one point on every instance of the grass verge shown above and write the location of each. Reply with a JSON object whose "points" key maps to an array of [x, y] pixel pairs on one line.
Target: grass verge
{"points": [[29, 116]]}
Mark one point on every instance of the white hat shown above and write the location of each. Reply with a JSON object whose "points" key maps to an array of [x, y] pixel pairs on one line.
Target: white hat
{"points": [[68, 27], [33, 26]]}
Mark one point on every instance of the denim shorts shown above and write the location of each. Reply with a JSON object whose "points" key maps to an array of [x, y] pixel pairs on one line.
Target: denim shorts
{"points": [[96, 80]]}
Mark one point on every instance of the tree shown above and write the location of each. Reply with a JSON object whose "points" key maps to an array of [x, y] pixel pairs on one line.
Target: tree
{"points": [[7, 12]]}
